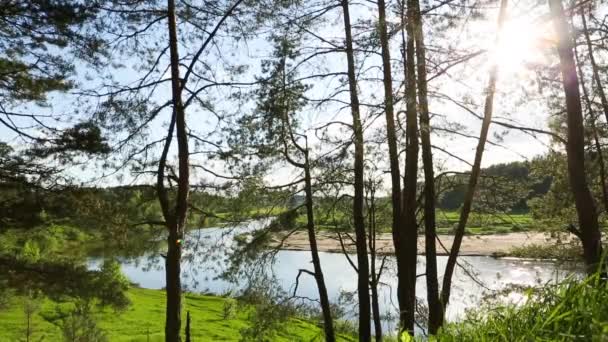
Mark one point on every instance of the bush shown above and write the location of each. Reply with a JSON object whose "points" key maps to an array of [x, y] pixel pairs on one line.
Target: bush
{"points": [[112, 285], [558, 251], [229, 309], [80, 326], [571, 311], [269, 311], [517, 228]]}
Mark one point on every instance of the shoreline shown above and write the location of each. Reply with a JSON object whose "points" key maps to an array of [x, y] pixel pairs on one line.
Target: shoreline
{"points": [[494, 245]]}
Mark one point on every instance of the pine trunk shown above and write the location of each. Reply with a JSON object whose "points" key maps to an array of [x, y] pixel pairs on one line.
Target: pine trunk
{"points": [[176, 221], [589, 232], [435, 318], [375, 274], [359, 219], [391, 138], [406, 287], [310, 225], [475, 171]]}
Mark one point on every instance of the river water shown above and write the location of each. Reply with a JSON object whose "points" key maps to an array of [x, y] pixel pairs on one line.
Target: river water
{"points": [[205, 252]]}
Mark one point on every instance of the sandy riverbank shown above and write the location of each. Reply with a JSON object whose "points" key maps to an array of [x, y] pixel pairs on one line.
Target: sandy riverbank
{"points": [[487, 245]]}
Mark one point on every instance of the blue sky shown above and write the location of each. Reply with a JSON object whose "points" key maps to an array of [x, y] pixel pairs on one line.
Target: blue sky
{"points": [[465, 81]]}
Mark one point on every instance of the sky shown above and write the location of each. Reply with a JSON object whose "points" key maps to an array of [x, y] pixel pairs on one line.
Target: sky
{"points": [[525, 44]]}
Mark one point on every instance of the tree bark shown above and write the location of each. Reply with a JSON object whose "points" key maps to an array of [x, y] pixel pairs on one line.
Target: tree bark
{"points": [[589, 232], [406, 287], [391, 138], [177, 220], [375, 275], [288, 135], [435, 318], [312, 238], [475, 171], [359, 219]]}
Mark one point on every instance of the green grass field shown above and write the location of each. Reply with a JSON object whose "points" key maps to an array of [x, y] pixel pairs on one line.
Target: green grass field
{"points": [[144, 320], [480, 224]]}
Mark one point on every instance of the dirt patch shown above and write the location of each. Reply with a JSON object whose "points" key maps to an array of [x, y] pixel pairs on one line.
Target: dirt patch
{"points": [[489, 245]]}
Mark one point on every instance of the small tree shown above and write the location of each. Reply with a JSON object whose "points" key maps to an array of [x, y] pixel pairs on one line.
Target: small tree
{"points": [[31, 306], [80, 325]]}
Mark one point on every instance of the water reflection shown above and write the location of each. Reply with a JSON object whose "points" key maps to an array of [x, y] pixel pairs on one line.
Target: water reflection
{"points": [[206, 252]]}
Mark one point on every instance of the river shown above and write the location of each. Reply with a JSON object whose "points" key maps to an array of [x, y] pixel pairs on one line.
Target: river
{"points": [[205, 252]]}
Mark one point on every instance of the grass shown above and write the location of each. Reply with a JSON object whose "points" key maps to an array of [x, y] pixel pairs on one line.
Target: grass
{"points": [[478, 224], [144, 320], [558, 251], [483, 224], [571, 311]]}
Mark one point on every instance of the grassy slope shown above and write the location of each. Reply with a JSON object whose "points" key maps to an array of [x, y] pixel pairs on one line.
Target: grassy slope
{"points": [[571, 311], [145, 317]]}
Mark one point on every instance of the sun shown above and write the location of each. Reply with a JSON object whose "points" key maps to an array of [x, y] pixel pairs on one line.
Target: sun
{"points": [[519, 45]]}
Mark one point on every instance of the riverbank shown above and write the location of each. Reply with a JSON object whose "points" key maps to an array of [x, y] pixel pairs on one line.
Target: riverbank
{"points": [[472, 245]]}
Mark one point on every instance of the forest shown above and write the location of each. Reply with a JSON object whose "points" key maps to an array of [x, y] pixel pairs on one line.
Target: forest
{"points": [[303, 170]]}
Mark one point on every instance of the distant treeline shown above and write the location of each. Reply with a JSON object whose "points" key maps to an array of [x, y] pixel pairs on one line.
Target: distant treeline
{"points": [[513, 183], [508, 186]]}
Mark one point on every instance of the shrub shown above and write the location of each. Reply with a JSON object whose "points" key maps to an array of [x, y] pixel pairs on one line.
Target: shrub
{"points": [[229, 309], [571, 311], [112, 285], [269, 310], [80, 326], [558, 251]]}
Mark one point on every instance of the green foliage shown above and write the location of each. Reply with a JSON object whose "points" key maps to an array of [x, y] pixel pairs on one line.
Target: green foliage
{"points": [[31, 251], [111, 286], [33, 55], [230, 308], [270, 312], [571, 311], [562, 248], [556, 208], [84, 137], [50, 242], [58, 277], [502, 188], [79, 325]]}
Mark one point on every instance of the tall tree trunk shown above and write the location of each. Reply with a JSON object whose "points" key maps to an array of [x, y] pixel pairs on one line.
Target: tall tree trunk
{"points": [[406, 287], [592, 122], [359, 219], [391, 138], [435, 318], [588, 230], [177, 221], [475, 171], [594, 68], [375, 275], [312, 238], [288, 135]]}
